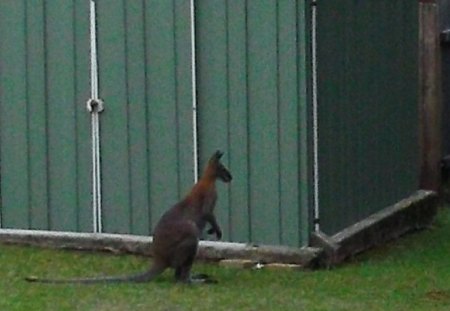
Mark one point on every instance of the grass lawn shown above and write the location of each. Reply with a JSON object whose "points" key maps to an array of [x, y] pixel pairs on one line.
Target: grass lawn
{"points": [[410, 274]]}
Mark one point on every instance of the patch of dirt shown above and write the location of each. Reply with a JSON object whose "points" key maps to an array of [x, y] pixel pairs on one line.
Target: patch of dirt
{"points": [[438, 295]]}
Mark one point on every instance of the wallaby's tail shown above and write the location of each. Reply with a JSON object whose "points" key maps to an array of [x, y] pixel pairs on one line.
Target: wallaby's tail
{"points": [[142, 277]]}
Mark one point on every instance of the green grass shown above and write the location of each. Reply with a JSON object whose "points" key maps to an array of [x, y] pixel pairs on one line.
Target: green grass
{"points": [[410, 274]]}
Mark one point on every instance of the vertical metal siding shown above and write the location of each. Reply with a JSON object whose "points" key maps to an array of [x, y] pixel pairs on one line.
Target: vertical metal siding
{"points": [[61, 127], [83, 131], [14, 151], [145, 81], [146, 128], [111, 36], [41, 82], [252, 103], [251, 78], [367, 54]]}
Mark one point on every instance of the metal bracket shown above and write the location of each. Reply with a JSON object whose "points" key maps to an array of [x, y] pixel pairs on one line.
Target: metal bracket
{"points": [[95, 105]]}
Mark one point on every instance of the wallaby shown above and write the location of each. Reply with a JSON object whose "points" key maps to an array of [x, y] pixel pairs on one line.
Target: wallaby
{"points": [[176, 235]]}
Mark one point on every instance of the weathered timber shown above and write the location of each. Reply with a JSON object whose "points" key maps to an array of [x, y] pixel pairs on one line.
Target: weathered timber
{"points": [[307, 257], [430, 97], [413, 213]]}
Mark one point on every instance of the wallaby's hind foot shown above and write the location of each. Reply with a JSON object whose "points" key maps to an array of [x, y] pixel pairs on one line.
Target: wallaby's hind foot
{"points": [[202, 278]]}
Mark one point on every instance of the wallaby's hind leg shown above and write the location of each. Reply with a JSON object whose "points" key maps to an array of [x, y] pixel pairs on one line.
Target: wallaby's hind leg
{"points": [[186, 255], [183, 275]]}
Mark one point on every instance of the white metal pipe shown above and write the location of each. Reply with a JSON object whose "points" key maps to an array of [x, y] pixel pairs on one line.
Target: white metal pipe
{"points": [[95, 124], [94, 177], [93, 46], [194, 93], [315, 116]]}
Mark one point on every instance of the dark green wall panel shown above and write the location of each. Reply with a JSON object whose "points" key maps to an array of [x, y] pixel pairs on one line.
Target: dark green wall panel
{"points": [[367, 53]]}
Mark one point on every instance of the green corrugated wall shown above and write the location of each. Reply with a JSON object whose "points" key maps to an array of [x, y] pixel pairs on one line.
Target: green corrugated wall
{"points": [[252, 103], [253, 86], [44, 128], [145, 81], [146, 129], [367, 71]]}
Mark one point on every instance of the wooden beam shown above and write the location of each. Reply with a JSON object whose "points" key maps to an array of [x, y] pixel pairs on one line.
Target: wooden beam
{"points": [[430, 97]]}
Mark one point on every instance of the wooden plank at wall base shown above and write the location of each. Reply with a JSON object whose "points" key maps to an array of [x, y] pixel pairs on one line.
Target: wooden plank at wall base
{"points": [[430, 97], [306, 257], [416, 212], [13, 117]]}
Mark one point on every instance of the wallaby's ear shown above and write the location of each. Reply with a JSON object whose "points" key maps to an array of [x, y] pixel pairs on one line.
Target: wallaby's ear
{"points": [[219, 154], [216, 156]]}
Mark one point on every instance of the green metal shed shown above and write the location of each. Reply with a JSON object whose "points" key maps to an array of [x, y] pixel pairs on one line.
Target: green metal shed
{"points": [[314, 103]]}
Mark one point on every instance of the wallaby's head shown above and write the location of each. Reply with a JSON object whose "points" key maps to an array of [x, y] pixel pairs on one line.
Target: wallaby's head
{"points": [[217, 169]]}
